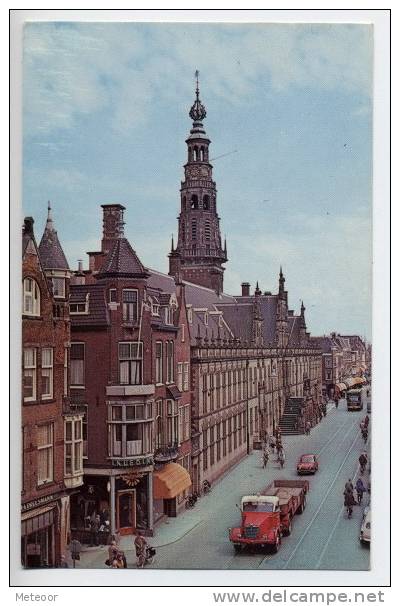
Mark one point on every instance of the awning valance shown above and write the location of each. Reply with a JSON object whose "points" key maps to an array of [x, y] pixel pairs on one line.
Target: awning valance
{"points": [[349, 382], [170, 481], [341, 386]]}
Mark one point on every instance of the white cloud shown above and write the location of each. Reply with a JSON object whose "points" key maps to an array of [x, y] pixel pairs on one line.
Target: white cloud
{"points": [[77, 69]]}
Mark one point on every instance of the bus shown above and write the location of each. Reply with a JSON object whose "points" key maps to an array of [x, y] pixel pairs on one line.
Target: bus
{"points": [[355, 399]]}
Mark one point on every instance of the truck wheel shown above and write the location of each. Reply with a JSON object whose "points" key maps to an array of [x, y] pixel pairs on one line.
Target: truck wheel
{"points": [[237, 548], [302, 506], [277, 545]]}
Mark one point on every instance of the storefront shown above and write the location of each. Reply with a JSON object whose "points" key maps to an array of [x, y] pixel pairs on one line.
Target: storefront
{"points": [[117, 503], [39, 538]]}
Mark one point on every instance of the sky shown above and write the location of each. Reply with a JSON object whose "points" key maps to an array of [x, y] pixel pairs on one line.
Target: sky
{"points": [[105, 119]]}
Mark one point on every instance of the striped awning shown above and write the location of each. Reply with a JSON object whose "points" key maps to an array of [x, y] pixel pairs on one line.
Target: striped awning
{"points": [[341, 386], [358, 381], [170, 481], [37, 519]]}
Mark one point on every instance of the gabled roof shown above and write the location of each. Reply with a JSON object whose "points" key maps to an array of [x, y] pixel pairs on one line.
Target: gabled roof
{"points": [[239, 316], [123, 260], [50, 250]]}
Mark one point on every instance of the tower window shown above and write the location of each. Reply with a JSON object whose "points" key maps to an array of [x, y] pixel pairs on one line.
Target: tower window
{"points": [[207, 230], [194, 229], [206, 202], [194, 202], [196, 153], [184, 202], [202, 154]]}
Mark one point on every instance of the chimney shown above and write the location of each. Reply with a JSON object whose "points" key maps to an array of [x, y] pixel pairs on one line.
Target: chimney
{"points": [[28, 226], [113, 225], [80, 266], [245, 289]]}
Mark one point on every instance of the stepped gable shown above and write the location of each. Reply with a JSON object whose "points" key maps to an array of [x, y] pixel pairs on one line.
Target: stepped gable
{"points": [[122, 260], [50, 250], [97, 311]]}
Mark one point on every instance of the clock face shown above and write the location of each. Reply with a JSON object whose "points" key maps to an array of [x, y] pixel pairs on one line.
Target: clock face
{"points": [[194, 172]]}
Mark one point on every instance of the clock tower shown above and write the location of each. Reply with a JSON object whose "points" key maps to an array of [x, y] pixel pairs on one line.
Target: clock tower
{"points": [[198, 256]]}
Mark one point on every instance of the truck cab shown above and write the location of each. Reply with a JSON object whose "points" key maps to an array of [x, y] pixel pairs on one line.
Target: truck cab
{"points": [[260, 522]]}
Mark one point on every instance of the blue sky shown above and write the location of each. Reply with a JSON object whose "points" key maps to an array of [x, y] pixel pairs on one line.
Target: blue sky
{"points": [[106, 117]]}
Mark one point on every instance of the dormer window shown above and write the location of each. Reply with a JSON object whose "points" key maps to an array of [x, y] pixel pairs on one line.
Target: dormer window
{"points": [[168, 315], [31, 302], [79, 307], [190, 315]]}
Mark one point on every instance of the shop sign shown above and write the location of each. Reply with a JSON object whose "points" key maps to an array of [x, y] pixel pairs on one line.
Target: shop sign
{"points": [[132, 462], [41, 501]]}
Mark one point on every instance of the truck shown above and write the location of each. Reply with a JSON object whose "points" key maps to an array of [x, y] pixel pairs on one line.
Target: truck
{"points": [[354, 399], [267, 516]]}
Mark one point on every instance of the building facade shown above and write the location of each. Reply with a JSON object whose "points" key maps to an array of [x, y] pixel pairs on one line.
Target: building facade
{"points": [[51, 431]]}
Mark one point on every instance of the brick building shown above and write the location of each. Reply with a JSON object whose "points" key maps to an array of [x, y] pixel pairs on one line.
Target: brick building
{"points": [[130, 357], [51, 430]]}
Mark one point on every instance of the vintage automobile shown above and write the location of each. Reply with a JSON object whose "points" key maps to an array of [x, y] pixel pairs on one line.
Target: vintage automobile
{"points": [[267, 517], [365, 531], [307, 464]]}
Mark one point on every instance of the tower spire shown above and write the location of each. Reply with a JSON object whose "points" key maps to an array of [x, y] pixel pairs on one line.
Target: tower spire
{"points": [[49, 221], [197, 111]]}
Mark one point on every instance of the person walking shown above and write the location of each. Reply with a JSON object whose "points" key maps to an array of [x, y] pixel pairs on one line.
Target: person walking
{"points": [[265, 457], [272, 443], [360, 488]]}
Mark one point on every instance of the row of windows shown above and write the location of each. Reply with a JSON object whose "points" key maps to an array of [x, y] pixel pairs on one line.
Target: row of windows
{"points": [[222, 438], [172, 423], [73, 460], [31, 295]]}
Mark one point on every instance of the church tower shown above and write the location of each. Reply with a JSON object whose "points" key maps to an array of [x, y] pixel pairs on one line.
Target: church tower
{"points": [[198, 256]]}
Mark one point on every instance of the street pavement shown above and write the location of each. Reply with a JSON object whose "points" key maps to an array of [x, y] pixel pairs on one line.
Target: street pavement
{"points": [[322, 537]]}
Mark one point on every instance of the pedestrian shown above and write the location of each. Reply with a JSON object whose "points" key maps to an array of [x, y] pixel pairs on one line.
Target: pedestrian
{"points": [[308, 428], [272, 443], [94, 531], [265, 457], [348, 487], [112, 553], [363, 461], [360, 488]]}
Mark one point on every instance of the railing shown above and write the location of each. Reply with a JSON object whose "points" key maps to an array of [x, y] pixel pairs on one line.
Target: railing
{"points": [[167, 452]]}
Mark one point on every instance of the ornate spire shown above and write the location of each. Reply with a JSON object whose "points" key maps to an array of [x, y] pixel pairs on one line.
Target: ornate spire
{"points": [[281, 282], [49, 221], [197, 111]]}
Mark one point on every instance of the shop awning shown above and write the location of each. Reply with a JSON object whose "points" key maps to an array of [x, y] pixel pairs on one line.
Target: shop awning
{"points": [[170, 481], [37, 519], [358, 381], [349, 382], [341, 386]]}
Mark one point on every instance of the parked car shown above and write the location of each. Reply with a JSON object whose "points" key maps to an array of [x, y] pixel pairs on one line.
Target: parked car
{"points": [[307, 464], [365, 530]]}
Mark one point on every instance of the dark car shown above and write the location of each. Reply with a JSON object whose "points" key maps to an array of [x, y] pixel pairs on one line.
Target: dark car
{"points": [[307, 464]]}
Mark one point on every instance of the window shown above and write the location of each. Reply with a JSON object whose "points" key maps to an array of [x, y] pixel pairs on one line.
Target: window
{"points": [[29, 374], [73, 447], [184, 423], [182, 333], [127, 437], [159, 362], [130, 363], [80, 307], [47, 373], [58, 287], [169, 316], [190, 315], [159, 424], [170, 361], [112, 295], [31, 303], [172, 422], [65, 388], [45, 453], [186, 376], [130, 305], [180, 376], [77, 364], [206, 202], [194, 229], [207, 230], [194, 202]]}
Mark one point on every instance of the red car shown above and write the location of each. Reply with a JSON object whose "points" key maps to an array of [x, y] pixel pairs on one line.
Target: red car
{"points": [[307, 464]]}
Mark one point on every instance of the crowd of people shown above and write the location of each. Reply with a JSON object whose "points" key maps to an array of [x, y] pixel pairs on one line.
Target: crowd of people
{"points": [[353, 494]]}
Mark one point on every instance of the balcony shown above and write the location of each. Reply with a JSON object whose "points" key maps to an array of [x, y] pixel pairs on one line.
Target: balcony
{"points": [[166, 453], [130, 390]]}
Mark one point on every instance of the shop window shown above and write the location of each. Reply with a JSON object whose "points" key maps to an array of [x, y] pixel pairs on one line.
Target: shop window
{"points": [[29, 374], [45, 453], [31, 298]]}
